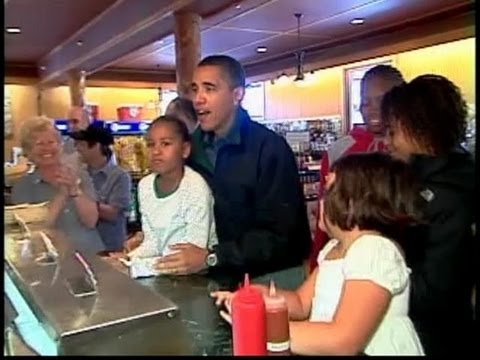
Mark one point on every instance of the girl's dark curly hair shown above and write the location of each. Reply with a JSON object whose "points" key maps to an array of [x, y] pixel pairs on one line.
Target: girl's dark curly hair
{"points": [[430, 109]]}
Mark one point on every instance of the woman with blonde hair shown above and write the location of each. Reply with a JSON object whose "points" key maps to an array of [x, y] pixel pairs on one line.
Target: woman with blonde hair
{"points": [[69, 191]]}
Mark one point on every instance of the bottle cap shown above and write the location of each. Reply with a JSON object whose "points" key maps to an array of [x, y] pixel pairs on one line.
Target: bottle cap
{"points": [[274, 300], [248, 294]]}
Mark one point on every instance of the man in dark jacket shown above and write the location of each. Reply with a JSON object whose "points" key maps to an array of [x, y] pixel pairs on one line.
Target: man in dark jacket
{"points": [[260, 214], [426, 122]]}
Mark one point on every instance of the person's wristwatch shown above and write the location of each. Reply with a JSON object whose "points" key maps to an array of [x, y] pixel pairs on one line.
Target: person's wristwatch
{"points": [[211, 260]]}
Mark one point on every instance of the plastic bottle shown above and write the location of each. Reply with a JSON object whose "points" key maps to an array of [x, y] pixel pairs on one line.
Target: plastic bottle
{"points": [[278, 334], [248, 321]]}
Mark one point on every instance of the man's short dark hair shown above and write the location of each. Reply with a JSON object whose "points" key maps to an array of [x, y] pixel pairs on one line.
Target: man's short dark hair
{"points": [[231, 67], [373, 191], [430, 109]]}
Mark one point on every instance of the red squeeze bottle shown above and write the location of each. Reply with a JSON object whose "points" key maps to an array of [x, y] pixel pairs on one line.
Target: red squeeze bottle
{"points": [[248, 321], [278, 332]]}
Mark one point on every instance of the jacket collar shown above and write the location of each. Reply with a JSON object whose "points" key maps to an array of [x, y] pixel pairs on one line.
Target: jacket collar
{"points": [[233, 136]]}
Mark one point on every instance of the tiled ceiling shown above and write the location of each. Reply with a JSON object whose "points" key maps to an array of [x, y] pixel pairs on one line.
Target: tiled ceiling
{"points": [[138, 35]]}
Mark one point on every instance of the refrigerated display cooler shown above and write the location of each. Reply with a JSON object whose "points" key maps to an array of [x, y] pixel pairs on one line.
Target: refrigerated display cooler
{"points": [[130, 150]]}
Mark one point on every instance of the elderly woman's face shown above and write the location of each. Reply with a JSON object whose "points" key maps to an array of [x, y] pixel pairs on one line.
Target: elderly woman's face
{"points": [[45, 148]]}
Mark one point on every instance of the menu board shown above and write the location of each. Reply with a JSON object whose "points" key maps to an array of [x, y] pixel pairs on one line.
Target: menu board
{"points": [[8, 121]]}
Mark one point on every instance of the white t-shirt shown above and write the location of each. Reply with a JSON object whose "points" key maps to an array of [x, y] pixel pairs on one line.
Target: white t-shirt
{"points": [[374, 258], [185, 216]]}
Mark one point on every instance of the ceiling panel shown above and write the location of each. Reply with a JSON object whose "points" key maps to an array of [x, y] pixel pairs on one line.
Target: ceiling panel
{"points": [[281, 44], [218, 40], [212, 7], [155, 62], [383, 14], [238, 8], [279, 16], [45, 24]]}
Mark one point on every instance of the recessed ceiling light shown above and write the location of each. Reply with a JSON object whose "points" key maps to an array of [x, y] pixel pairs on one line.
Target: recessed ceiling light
{"points": [[357, 21], [79, 42], [261, 49], [42, 67], [13, 30], [238, 6]]}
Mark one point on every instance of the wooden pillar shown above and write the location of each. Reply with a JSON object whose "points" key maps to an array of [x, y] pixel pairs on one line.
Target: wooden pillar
{"points": [[188, 49], [76, 83], [39, 100]]}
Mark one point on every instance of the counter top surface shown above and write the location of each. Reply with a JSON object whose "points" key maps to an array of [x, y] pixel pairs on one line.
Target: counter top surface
{"points": [[208, 333], [197, 321]]}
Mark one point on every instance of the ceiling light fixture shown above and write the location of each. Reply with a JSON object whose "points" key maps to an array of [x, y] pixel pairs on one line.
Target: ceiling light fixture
{"points": [[42, 68], [261, 49], [238, 6], [13, 30], [357, 21], [79, 42], [299, 54]]}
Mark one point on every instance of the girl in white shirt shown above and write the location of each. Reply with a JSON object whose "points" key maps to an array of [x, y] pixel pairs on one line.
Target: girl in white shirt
{"points": [[176, 204], [356, 300]]}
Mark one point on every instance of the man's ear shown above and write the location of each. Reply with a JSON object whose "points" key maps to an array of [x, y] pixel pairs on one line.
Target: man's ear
{"points": [[238, 94]]}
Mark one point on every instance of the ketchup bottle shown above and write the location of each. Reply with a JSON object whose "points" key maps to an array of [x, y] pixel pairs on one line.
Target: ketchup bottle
{"points": [[278, 333], [248, 321]]}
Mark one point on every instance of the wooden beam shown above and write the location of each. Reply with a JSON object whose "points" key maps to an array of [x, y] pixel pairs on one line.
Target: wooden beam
{"points": [[21, 70], [107, 40], [76, 84], [129, 84], [134, 76]]}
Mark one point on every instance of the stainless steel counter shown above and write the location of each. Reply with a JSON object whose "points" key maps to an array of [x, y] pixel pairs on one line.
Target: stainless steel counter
{"points": [[151, 316]]}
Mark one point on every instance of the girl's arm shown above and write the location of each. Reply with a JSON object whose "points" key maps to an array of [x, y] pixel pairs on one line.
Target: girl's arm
{"points": [[360, 311], [299, 301]]}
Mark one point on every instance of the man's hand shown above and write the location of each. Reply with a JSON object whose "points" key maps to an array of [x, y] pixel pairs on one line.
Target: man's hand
{"points": [[188, 259], [117, 255]]}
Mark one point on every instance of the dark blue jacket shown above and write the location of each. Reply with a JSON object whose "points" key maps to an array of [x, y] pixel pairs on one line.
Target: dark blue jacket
{"points": [[260, 212]]}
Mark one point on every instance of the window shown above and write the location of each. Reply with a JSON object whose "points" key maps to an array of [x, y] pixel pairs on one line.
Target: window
{"points": [[167, 96], [254, 101]]}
